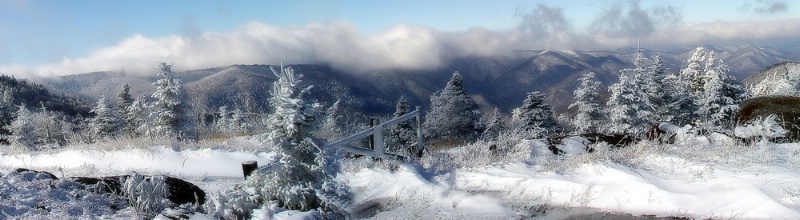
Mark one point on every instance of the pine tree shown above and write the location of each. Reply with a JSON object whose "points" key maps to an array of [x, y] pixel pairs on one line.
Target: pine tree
{"points": [[722, 94], [124, 101], [589, 117], [138, 118], [224, 120], [105, 123], [495, 127], [693, 73], [301, 180], [23, 132], [293, 120], [535, 114], [167, 109], [238, 122], [333, 124], [453, 114], [624, 108], [401, 135], [658, 90]]}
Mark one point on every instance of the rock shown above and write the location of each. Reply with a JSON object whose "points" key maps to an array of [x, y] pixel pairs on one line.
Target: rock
{"points": [[38, 173], [180, 191]]}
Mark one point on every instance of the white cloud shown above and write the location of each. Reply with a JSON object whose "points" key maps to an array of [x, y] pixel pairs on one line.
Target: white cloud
{"points": [[343, 47]]}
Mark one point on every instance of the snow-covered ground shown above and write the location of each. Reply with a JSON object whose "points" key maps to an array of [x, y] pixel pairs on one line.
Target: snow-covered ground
{"points": [[697, 179]]}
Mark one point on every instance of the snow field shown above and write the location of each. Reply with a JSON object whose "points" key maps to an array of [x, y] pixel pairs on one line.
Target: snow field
{"points": [[700, 177], [191, 163]]}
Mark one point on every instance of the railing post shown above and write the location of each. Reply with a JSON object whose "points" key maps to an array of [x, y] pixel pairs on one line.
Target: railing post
{"points": [[248, 168], [372, 123], [377, 138], [420, 145]]}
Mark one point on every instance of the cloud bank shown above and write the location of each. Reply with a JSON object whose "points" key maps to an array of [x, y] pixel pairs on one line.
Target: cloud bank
{"points": [[343, 47]]}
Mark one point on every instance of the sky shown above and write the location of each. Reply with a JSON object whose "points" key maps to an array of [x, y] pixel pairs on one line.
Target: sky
{"points": [[52, 38]]}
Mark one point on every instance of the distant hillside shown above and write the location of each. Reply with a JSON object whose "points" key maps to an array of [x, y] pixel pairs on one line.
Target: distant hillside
{"points": [[790, 68], [18, 92], [497, 81]]}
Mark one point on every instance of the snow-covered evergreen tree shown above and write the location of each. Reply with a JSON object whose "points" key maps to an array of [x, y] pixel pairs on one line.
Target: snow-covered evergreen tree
{"points": [[105, 123], [302, 179], [124, 101], [643, 80], [23, 133], [138, 117], [535, 114], [722, 94], [453, 115], [224, 119], [657, 90], [589, 117], [167, 109], [333, 124], [239, 122], [403, 134], [496, 125], [693, 74], [624, 107], [294, 118]]}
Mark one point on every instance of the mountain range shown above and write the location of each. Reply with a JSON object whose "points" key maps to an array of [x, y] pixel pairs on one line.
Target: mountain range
{"points": [[493, 81]]}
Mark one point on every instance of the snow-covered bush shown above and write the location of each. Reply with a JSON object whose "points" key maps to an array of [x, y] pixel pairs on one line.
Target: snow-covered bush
{"points": [[230, 204], [147, 195], [36, 195], [766, 128]]}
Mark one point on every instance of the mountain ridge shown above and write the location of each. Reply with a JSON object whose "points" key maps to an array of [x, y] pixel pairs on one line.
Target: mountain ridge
{"points": [[494, 81]]}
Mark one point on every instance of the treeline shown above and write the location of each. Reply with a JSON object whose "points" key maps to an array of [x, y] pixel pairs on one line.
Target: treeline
{"points": [[702, 94]]}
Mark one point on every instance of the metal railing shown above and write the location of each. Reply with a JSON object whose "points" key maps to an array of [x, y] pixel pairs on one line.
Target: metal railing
{"points": [[377, 138]]}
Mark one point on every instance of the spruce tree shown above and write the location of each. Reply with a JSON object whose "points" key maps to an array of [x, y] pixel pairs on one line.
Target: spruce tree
{"points": [[138, 118], [402, 135], [333, 124], [534, 114], [722, 94], [496, 126], [167, 109], [105, 123], [623, 108], [23, 133], [124, 102], [658, 90], [223, 121], [453, 115], [238, 122], [589, 117], [297, 181]]}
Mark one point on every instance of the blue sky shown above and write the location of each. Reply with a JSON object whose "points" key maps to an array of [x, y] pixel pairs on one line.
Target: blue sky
{"points": [[68, 37]]}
